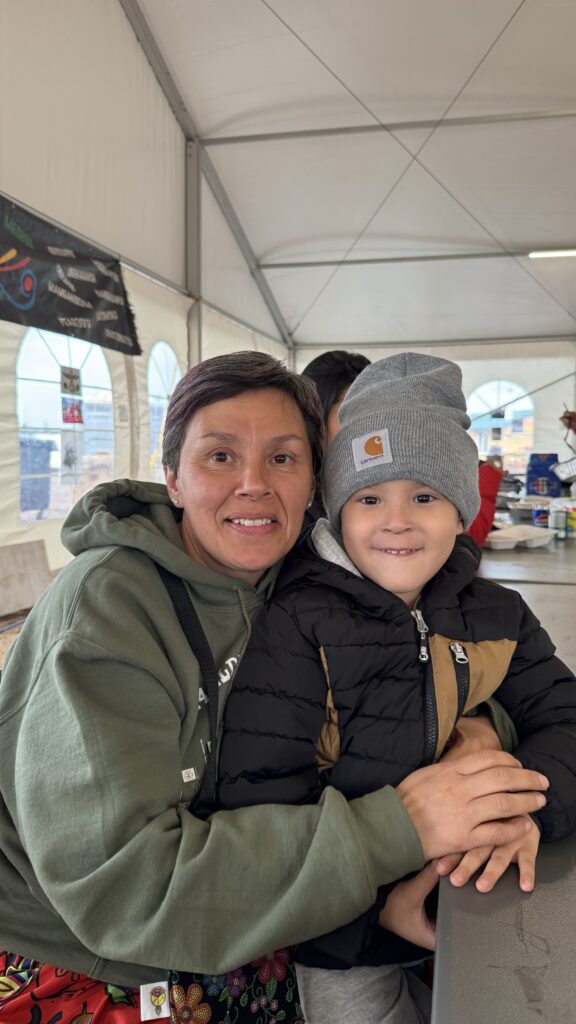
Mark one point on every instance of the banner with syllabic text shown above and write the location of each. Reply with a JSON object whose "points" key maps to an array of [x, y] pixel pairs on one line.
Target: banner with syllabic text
{"points": [[54, 280]]}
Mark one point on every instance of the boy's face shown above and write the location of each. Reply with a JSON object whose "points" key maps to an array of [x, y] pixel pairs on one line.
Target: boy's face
{"points": [[399, 534]]}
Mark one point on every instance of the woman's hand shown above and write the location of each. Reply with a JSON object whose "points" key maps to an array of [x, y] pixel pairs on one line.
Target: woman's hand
{"points": [[471, 735], [478, 800], [405, 913], [521, 852]]}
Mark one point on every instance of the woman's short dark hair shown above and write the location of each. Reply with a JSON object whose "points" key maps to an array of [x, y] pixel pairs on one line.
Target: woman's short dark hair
{"points": [[332, 372], [226, 376]]}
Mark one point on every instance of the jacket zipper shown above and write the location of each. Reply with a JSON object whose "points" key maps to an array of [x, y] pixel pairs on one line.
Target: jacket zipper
{"points": [[462, 670], [431, 722]]}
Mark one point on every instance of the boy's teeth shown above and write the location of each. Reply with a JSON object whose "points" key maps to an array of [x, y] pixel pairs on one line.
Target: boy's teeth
{"points": [[252, 522]]}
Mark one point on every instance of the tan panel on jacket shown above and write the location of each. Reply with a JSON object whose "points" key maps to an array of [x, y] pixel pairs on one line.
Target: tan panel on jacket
{"points": [[488, 663], [328, 745]]}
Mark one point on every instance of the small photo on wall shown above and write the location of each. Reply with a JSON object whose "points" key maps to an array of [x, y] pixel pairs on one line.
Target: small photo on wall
{"points": [[72, 410], [70, 380]]}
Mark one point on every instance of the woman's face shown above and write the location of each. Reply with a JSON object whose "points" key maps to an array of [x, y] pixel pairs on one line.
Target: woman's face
{"points": [[243, 481], [332, 422]]}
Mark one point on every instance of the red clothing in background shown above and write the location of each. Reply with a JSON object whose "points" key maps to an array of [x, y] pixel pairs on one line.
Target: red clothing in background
{"points": [[488, 483]]}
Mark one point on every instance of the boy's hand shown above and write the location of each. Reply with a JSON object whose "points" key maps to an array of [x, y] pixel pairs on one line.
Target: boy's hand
{"points": [[405, 914], [497, 859]]}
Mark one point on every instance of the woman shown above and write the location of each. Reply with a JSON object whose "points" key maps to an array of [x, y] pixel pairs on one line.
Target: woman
{"points": [[105, 728]]}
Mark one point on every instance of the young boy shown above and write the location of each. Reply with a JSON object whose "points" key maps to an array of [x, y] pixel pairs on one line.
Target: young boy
{"points": [[379, 637]]}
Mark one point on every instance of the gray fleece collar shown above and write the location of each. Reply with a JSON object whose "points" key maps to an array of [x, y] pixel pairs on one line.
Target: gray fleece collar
{"points": [[328, 544]]}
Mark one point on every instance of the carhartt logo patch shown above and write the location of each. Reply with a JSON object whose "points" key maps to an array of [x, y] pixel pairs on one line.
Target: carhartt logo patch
{"points": [[371, 449]]}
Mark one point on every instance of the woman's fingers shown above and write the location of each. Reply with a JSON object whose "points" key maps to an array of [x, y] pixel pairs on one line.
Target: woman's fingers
{"points": [[461, 804], [499, 833], [508, 805]]}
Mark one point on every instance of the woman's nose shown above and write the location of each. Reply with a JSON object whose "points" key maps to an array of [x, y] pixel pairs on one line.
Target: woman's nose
{"points": [[254, 482]]}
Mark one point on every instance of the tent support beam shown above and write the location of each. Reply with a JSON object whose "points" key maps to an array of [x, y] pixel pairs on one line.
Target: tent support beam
{"points": [[360, 346], [499, 254], [150, 47], [391, 128]]}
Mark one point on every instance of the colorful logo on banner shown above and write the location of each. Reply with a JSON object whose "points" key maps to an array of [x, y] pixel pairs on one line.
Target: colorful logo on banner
{"points": [[20, 276], [52, 280]]}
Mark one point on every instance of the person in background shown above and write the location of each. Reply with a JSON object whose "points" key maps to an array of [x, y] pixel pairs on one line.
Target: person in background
{"points": [[333, 373], [378, 638]]}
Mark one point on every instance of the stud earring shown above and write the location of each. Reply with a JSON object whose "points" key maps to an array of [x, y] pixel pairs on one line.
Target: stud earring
{"points": [[175, 501]]}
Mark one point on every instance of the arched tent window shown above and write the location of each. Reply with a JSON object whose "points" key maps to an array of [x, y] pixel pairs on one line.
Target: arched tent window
{"points": [[163, 376], [503, 423], [66, 422]]}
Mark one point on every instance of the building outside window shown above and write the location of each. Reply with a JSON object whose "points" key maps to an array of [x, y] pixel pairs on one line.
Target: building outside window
{"points": [[65, 420], [503, 423]]}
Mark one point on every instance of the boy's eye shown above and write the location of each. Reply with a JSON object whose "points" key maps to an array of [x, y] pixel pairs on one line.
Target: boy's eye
{"points": [[369, 499], [424, 499]]}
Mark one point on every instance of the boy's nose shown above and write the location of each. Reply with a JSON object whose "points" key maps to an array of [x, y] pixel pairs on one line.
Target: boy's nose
{"points": [[396, 518]]}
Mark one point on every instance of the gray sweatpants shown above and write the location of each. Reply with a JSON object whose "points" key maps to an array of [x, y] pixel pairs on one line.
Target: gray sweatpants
{"points": [[363, 995]]}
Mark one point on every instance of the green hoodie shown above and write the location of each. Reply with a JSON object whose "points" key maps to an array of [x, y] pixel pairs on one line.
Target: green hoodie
{"points": [[102, 868]]}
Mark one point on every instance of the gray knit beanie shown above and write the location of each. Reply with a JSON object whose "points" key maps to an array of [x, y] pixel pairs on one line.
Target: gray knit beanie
{"points": [[404, 418]]}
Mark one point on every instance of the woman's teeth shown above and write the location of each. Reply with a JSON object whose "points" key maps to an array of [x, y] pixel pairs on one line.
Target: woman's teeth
{"points": [[251, 522]]}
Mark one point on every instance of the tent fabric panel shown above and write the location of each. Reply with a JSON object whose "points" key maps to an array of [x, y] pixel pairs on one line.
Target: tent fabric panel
{"points": [[222, 334], [88, 139], [226, 278], [421, 302]]}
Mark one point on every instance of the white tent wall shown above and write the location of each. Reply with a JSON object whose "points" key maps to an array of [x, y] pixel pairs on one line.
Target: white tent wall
{"points": [[12, 529], [87, 137], [221, 334], [226, 279], [161, 315], [534, 365]]}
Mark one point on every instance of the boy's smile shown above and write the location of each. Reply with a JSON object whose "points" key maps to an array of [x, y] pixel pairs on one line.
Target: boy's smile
{"points": [[399, 534]]}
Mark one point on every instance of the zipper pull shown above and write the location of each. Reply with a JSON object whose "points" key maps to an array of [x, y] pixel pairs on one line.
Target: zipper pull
{"points": [[460, 656], [423, 630]]}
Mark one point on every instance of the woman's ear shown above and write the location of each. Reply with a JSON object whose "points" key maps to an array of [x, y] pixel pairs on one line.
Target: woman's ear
{"points": [[171, 479]]}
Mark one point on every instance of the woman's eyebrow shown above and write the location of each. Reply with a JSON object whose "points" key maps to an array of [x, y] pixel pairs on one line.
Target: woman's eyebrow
{"points": [[218, 435]]}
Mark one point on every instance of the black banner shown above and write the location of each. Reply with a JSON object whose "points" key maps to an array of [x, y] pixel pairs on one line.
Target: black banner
{"points": [[54, 280]]}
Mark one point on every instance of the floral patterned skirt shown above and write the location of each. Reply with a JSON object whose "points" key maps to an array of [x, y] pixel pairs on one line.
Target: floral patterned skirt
{"points": [[264, 992]]}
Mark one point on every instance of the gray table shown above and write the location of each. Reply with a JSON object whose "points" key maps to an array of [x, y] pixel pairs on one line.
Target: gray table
{"points": [[510, 957], [556, 563]]}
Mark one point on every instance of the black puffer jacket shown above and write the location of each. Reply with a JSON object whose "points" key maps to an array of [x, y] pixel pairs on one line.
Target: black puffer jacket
{"points": [[342, 685]]}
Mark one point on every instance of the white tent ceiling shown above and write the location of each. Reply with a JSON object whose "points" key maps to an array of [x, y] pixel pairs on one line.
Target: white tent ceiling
{"points": [[435, 140]]}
